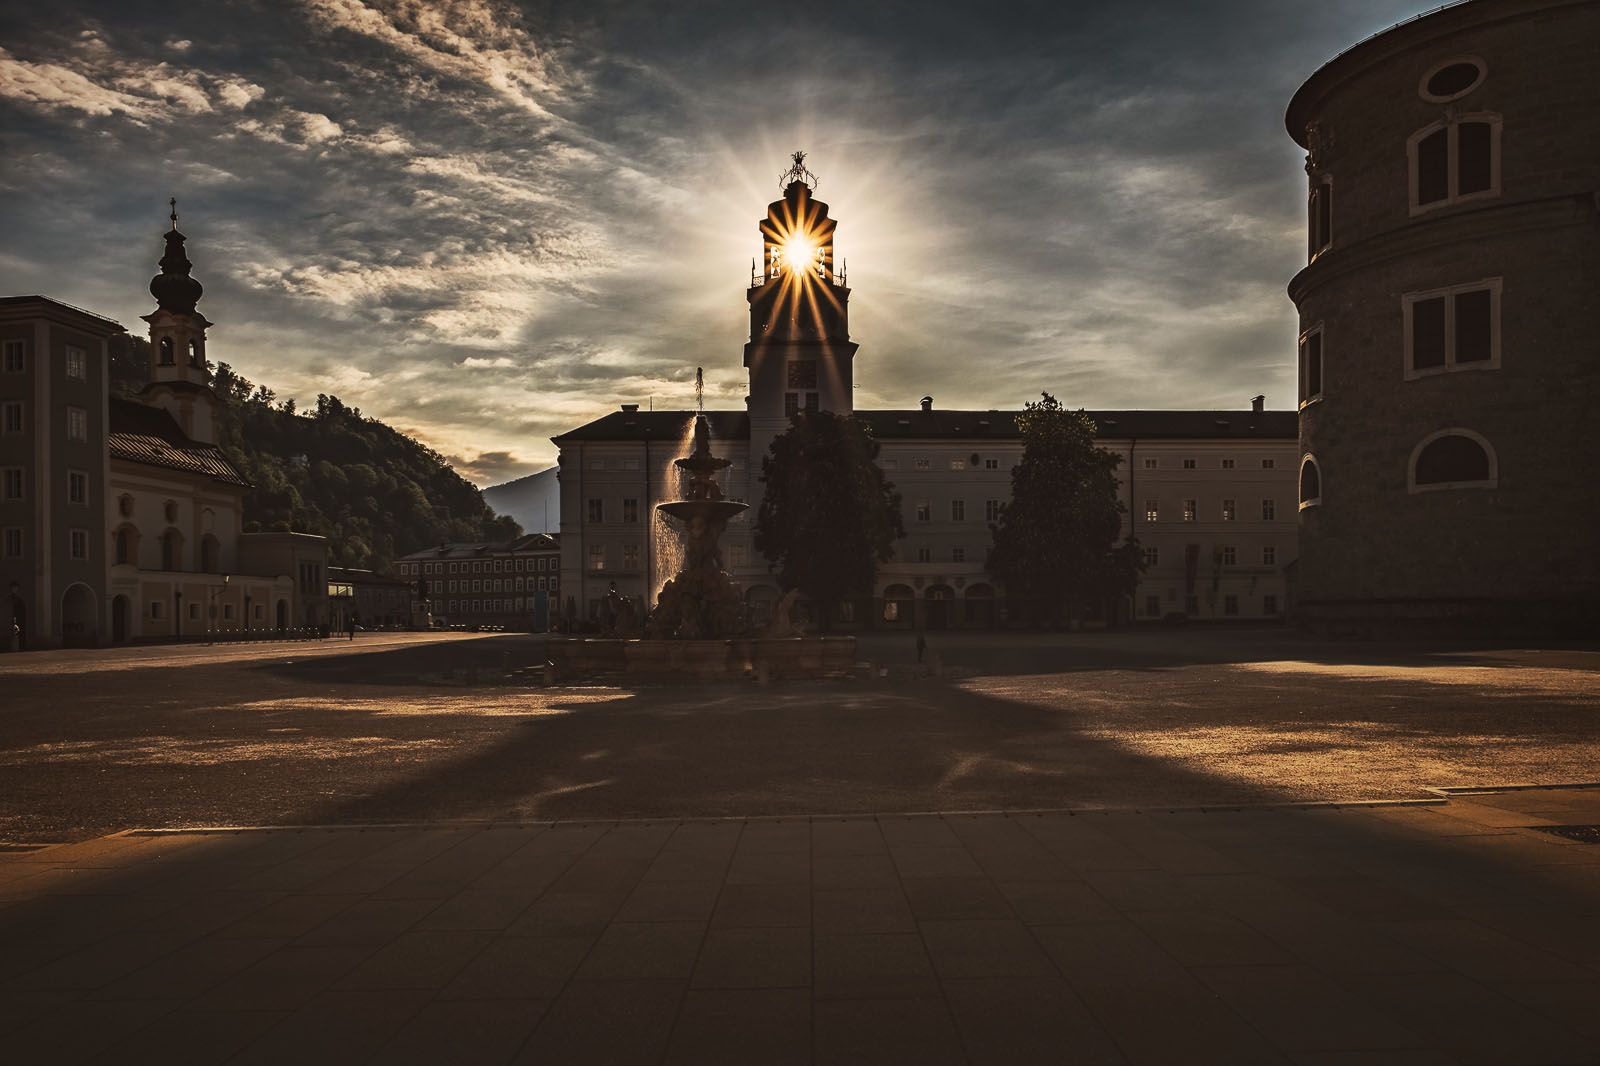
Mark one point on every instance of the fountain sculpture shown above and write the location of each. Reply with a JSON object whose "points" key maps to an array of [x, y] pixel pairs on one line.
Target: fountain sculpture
{"points": [[697, 628], [701, 601]]}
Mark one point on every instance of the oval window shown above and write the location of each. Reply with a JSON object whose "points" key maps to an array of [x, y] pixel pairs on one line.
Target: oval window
{"points": [[1452, 79]]}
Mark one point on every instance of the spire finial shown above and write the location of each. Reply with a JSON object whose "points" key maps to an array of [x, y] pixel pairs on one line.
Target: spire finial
{"points": [[174, 203], [798, 172]]}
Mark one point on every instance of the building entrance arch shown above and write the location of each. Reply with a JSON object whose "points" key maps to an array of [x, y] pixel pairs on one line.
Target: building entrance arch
{"points": [[938, 600], [980, 606], [79, 626], [121, 616], [283, 615]]}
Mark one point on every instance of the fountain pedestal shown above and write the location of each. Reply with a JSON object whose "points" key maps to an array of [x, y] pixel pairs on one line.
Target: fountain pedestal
{"points": [[694, 631]]}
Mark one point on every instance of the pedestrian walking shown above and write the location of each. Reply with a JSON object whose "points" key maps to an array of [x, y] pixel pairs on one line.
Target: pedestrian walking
{"points": [[350, 625], [922, 646]]}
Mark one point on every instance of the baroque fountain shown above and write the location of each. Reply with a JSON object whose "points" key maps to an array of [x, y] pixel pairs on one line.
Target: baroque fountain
{"points": [[697, 629]]}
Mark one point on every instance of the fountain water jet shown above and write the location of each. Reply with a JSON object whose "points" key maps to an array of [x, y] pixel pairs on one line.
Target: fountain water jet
{"points": [[701, 601]]}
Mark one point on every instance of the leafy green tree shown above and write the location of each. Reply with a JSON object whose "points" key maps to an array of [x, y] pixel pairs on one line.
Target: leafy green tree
{"points": [[1055, 544], [375, 493], [828, 517]]}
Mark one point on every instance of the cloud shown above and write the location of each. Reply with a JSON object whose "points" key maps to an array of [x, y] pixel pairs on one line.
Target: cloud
{"points": [[466, 39]]}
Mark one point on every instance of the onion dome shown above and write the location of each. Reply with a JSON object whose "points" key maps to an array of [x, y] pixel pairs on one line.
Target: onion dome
{"points": [[173, 288]]}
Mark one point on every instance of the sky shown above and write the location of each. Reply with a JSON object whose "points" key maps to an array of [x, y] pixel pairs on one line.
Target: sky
{"points": [[487, 222]]}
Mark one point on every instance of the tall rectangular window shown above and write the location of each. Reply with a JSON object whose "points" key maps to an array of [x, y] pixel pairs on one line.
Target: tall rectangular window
{"points": [[991, 510], [77, 487], [1190, 510], [958, 510], [924, 555], [78, 543], [1311, 365], [1230, 510], [15, 360], [630, 556], [11, 483], [597, 557], [1269, 555], [11, 416], [1230, 604], [1452, 329], [1152, 556], [1320, 221], [1230, 556], [630, 510], [597, 510], [1269, 510], [924, 511], [737, 557], [77, 423], [1269, 605], [1152, 510], [13, 542], [77, 363]]}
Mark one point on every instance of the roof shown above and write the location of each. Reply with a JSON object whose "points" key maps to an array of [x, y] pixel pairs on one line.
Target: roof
{"points": [[148, 435], [352, 576], [936, 424], [483, 549], [672, 426], [44, 307]]}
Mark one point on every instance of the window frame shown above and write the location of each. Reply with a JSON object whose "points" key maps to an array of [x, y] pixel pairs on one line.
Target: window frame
{"points": [[1319, 189], [1452, 125], [1492, 482], [1303, 346], [76, 358], [14, 356], [77, 479], [1449, 293], [1315, 501]]}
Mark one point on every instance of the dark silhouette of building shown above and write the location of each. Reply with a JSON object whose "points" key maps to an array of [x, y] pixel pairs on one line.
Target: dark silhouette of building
{"points": [[1448, 351]]}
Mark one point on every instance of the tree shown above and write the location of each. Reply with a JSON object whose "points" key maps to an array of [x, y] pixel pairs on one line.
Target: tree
{"points": [[828, 517], [1055, 543]]}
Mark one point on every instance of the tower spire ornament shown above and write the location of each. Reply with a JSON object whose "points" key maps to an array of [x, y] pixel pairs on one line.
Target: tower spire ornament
{"points": [[174, 202], [798, 171]]}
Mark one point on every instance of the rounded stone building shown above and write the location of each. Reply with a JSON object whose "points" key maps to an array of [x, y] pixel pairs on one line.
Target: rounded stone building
{"points": [[1450, 322]]}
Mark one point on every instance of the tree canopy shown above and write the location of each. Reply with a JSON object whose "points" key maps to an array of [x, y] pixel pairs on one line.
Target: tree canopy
{"points": [[374, 492], [828, 517], [1055, 544]]}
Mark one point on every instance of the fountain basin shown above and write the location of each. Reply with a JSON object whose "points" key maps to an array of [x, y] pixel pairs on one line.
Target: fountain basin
{"points": [[711, 510], [704, 660]]}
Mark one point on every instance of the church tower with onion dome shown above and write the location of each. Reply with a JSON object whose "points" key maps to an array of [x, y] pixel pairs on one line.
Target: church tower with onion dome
{"points": [[179, 374]]}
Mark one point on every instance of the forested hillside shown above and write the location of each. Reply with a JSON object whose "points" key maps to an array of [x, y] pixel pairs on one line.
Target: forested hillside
{"points": [[375, 493]]}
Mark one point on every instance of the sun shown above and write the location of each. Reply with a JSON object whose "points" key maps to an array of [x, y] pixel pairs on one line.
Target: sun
{"points": [[800, 253]]}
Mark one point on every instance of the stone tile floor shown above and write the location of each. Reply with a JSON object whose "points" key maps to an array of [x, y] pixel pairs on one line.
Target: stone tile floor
{"points": [[1447, 932]]}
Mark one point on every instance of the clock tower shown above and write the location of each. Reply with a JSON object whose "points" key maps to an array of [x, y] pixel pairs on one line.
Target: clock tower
{"points": [[800, 357], [180, 377]]}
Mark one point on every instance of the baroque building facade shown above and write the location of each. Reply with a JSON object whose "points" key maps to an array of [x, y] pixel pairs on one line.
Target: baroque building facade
{"points": [[507, 584], [1448, 356], [1209, 494], [121, 519]]}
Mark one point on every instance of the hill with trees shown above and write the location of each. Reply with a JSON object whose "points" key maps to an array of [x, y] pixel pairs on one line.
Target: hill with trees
{"points": [[374, 492]]}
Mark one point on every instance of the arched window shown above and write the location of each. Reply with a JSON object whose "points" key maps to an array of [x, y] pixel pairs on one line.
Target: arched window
{"points": [[194, 353], [171, 549], [208, 554], [127, 544], [1310, 482], [166, 351], [1453, 160], [1453, 459]]}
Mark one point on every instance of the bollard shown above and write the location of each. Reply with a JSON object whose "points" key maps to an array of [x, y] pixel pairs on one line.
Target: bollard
{"points": [[549, 673]]}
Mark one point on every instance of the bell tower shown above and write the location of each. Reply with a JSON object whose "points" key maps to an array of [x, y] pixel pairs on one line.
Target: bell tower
{"points": [[179, 374], [799, 357]]}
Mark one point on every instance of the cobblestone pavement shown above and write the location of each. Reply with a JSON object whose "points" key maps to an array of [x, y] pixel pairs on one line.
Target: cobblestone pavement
{"points": [[1453, 932], [417, 728]]}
